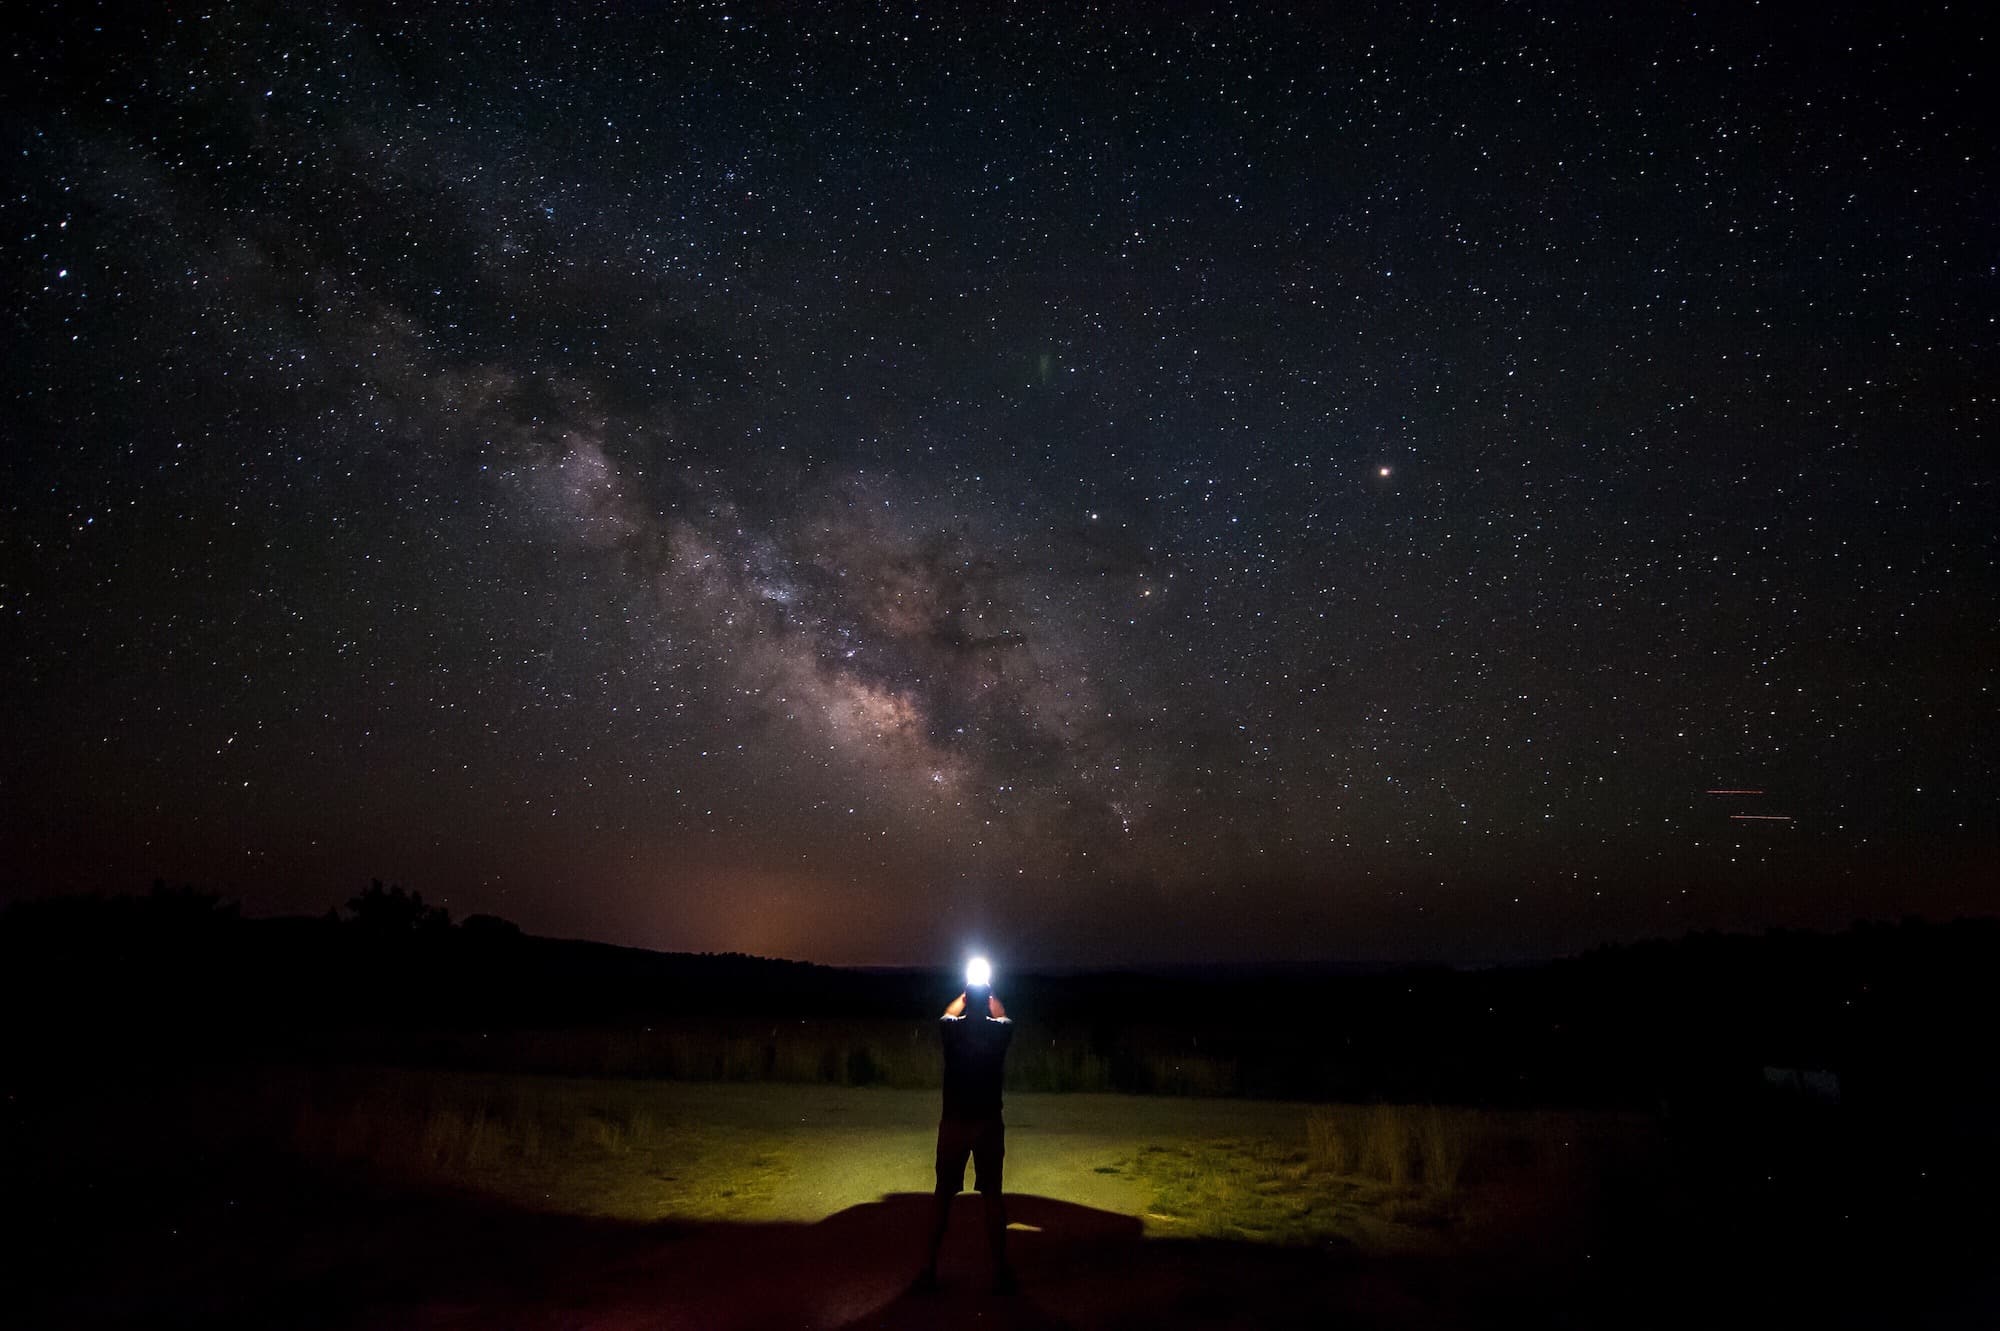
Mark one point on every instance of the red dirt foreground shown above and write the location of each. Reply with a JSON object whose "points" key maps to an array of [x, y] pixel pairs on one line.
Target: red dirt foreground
{"points": [[337, 1261], [290, 1254], [1078, 1267]]}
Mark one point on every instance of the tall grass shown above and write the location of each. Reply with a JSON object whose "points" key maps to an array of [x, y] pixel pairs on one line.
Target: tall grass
{"points": [[1358, 1165], [608, 1147], [1400, 1145], [1443, 1140], [1188, 1074], [1333, 1143], [1388, 1145], [897, 1054], [901, 1054]]}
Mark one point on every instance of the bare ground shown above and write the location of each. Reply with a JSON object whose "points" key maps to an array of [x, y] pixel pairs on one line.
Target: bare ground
{"points": [[754, 1206]]}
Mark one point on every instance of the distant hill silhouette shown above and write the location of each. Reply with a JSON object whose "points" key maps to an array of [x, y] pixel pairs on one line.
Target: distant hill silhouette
{"points": [[179, 973]]}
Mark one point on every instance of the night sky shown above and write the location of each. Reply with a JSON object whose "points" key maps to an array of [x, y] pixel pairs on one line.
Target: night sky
{"points": [[1104, 484]]}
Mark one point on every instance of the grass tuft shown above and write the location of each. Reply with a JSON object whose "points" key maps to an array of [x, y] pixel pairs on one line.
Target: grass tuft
{"points": [[1403, 1146], [1386, 1149], [1444, 1141]]}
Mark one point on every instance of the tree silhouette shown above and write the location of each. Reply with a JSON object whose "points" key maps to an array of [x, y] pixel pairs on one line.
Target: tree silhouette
{"points": [[394, 911]]}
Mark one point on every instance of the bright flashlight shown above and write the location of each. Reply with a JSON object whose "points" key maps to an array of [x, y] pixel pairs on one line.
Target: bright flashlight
{"points": [[977, 973]]}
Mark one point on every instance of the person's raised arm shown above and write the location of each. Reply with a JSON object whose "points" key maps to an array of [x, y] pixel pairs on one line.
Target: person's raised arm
{"points": [[957, 1008], [993, 1008]]}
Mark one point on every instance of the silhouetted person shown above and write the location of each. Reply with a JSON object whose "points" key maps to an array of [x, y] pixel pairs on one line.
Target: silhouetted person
{"points": [[976, 1033]]}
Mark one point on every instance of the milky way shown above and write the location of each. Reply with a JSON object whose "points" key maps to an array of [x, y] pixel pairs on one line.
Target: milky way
{"points": [[1106, 486]]}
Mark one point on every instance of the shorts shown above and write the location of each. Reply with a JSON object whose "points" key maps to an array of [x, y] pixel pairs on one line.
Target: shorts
{"points": [[984, 1139]]}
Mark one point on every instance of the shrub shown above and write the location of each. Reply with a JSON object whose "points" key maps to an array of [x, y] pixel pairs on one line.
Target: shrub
{"points": [[861, 1068], [1332, 1142], [1189, 1074], [1444, 1142], [1385, 1152]]}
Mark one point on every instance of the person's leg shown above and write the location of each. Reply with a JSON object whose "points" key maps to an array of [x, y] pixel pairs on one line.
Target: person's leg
{"points": [[996, 1235], [988, 1153], [940, 1221], [953, 1145]]}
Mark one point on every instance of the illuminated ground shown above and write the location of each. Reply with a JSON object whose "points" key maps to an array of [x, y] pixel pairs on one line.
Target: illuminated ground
{"points": [[722, 1206], [802, 1153], [359, 1198], [753, 1154], [1126, 1210]]}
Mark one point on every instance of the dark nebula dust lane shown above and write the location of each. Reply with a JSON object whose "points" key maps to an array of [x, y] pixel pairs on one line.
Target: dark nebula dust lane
{"points": [[1111, 486]]}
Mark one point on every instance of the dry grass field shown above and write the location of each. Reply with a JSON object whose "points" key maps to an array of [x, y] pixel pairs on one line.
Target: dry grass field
{"points": [[351, 1197], [1272, 1171]]}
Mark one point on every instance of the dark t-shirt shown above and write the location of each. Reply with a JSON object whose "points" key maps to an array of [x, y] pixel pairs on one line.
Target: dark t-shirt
{"points": [[975, 1054]]}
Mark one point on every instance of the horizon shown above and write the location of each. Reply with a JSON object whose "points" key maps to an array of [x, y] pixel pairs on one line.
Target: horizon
{"points": [[1037, 969]]}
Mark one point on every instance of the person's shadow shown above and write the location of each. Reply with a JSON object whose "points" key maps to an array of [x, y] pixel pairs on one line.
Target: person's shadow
{"points": [[1050, 1243], [855, 1269], [1078, 1267], [463, 1263]]}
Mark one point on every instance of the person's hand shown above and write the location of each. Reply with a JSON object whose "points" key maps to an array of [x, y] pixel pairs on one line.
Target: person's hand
{"points": [[993, 1008]]}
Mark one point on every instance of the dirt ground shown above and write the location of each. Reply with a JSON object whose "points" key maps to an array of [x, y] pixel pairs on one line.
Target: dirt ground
{"points": [[805, 1207], [834, 1148]]}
